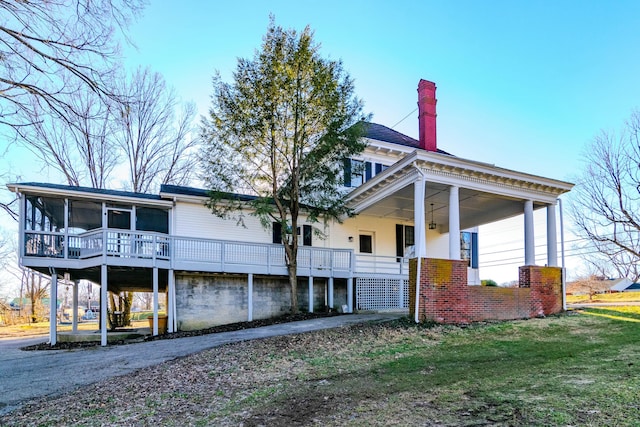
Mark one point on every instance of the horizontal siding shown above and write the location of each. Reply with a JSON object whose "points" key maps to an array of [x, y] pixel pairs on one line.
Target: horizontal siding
{"points": [[196, 220]]}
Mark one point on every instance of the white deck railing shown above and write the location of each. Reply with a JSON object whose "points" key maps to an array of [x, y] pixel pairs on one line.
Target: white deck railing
{"points": [[219, 254], [381, 264]]}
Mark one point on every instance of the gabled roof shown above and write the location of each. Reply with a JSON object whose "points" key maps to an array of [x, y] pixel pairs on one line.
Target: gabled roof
{"points": [[385, 134], [633, 287]]}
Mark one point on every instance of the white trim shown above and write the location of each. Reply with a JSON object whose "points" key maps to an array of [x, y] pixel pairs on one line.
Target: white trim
{"points": [[75, 194]]}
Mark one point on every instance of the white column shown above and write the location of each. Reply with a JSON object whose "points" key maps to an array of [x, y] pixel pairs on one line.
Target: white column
{"points": [[53, 308], [552, 239], [454, 223], [420, 234], [103, 305], [74, 321], [310, 294], [418, 218], [331, 292], [154, 332], [529, 241], [250, 297], [350, 295], [171, 299]]}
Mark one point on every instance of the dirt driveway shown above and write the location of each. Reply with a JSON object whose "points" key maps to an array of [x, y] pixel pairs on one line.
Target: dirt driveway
{"points": [[26, 375]]}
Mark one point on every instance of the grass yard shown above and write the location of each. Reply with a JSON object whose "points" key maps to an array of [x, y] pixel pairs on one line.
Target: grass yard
{"points": [[614, 297], [576, 369]]}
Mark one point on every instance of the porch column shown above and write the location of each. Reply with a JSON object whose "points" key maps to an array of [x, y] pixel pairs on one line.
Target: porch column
{"points": [[103, 304], [250, 297], [350, 295], [418, 218], [310, 294], [21, 228], [155, 301], [552, 239], [53, 308], [330, 292], [454, 223], [74, 303], [171, 301], [529, 242]]}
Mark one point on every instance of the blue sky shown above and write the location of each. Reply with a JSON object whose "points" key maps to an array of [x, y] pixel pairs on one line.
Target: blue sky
{"points": [[523, 85]]}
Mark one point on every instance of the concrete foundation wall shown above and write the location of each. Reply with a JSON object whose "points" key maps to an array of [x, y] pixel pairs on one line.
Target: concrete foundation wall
{"points": [[206, 300]]}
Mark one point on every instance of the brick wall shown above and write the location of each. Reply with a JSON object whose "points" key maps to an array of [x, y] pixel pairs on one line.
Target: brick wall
{"points": [[546, 288], [445, 296]]}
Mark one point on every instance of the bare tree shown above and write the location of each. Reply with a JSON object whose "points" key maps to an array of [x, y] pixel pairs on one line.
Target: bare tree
{"points": [[49, 49], [36, 287], [606, 200], [157, 143], [79, 146]]}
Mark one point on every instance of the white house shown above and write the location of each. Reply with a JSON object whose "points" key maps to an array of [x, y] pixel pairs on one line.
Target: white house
{"points": [[411, 199]]}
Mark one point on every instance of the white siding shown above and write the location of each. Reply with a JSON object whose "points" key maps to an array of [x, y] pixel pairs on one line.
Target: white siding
{"points": [[196, 220]]}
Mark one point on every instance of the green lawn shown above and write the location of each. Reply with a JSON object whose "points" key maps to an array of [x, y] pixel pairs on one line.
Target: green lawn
{"points": [[581, 368], [614, 297]]}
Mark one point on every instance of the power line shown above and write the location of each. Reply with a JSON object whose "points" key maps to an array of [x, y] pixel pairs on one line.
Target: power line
{"points": [[404, 118]]}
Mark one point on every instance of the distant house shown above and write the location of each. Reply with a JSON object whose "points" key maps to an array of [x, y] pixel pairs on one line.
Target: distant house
{"points": [[598, 285], [411, 198]]}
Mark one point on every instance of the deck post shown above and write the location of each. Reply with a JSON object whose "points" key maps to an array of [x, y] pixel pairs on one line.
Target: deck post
{"points": [[310, 294], [103, 305], [250, 297], [331, 292], [53, 307], [74, 321], [171, 300], [350, 295], [155, 301]]}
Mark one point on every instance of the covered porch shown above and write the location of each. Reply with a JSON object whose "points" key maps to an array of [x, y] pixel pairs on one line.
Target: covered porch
{"points": [[443, 195]]}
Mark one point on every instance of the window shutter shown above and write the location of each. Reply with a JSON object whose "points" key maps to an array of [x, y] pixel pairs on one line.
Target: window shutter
{"points": [[399, 241], [307, 234], [474, 250], [347, 172], [367, 171], [277, 232], [378, 168]]}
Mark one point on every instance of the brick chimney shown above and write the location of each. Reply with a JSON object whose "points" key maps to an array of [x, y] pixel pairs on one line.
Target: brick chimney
{"points": [[427, 115]]}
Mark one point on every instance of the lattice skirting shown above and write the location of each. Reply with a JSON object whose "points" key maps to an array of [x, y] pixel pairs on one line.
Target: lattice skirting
{"points": [[378, 293]]}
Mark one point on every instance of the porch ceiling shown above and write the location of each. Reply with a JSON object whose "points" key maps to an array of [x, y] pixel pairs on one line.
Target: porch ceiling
{"points": [[486, 193], [476, 207]]}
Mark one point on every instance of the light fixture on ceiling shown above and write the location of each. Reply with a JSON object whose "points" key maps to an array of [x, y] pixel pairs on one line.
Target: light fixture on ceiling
{"points": [[432, 224]]}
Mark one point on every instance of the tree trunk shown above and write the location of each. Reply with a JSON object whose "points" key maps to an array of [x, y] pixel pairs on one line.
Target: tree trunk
{"points": [[293, 285]]}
